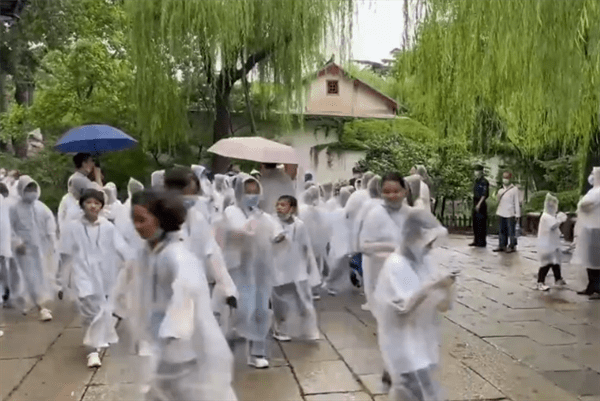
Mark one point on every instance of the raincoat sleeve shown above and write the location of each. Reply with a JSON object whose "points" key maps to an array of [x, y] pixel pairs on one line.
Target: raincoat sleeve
{"points": [[314, 276], [16, 240], [217, 268], [123, 249], [373, 236], [66, 251]]}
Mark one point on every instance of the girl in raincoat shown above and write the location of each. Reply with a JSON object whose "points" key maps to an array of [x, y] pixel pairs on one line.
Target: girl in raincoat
{"points": [[380, 231], [124, 223], [409, 294], [249, 234], [587, 252], [319, 231], [93, 249], [549, 243], [34, 240], [293, 309], [69, 209], [157, 179], [191, 359], [197, 235], [338, 257]]}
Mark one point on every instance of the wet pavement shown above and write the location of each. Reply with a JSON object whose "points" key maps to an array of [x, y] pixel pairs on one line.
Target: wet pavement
{"points": [[501, 341]]}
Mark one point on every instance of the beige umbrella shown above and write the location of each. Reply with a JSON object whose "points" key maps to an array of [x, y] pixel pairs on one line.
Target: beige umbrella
{"points": [[256, 149]]}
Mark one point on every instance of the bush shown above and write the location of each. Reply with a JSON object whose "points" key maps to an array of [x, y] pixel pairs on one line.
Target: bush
{"points": [[567, 201]]}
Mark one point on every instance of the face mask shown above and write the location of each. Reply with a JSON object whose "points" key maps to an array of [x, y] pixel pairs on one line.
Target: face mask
{"points": [[251, 201], [158, 234], [394, 205], [591, 179], [29, 197], [284, 217], [505, 181], [189, 202]]}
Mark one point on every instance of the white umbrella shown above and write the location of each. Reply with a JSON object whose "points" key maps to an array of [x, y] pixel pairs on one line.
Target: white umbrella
{"points": [[256, 149]]}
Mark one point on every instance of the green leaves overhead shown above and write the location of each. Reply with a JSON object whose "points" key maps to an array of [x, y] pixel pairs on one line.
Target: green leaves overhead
{"points": [[537, 63], [220, 39]]}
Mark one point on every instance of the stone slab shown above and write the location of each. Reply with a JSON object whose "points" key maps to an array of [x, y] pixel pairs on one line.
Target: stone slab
{"points": [[116, 392], [28, 339], [62, 373], [12, 371], [585, 334], [353, 337], [511, 378], [544, 334], [462, 383], [533, 354], [268, 384], [309, 351], [363, 361], [582, 382], [358, 396], [325, 377], [373, 383]]}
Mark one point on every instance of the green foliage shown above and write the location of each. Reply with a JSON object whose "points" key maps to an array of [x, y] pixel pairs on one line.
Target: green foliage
{"points": [[567, 201], [213, 39], [49, 168], [531, 66], [13, 124], [358, 133]]}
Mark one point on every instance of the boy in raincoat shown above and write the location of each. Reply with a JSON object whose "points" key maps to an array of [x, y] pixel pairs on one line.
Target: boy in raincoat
{"points": [[295, 315], [93, 249], [191, 359], [549, 243], [409, 294], [34, 239], [248, 239]]}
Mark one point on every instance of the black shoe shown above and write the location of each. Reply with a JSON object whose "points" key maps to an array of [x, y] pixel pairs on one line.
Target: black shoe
{"points": [[473, 244], [595, 297], [6, 294], [500, 250], [587, 291]]}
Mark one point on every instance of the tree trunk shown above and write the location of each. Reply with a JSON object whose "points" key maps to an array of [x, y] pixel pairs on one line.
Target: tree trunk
{"points": [[221, 127]]}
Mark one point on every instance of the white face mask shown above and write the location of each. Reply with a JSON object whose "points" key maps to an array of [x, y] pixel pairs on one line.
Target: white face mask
{"points": [[29, 197], [591, 179], [251, 201], [505, 181]]}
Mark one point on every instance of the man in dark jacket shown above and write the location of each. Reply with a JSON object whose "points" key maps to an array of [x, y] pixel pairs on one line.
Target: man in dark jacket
{"points": [[481, 192]]}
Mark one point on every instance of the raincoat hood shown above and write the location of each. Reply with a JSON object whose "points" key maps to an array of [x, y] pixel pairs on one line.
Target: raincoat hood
{"points": [[414, 185], [551, 205], [77, 184], [134, 186], [240, 181], [596, 174], [157, 179], [327, 191], [366, 178], [110, 190], [344, 195], [420, 229], [221, 183], [374, 187], [25, 180], [205, 184], [311, 196]]}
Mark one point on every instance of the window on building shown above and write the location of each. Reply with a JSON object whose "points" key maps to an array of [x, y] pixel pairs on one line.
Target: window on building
{"points": [[333, 88]]}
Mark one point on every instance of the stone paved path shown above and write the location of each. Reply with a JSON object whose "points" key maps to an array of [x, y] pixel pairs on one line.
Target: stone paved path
{"points": [[501, 341]]}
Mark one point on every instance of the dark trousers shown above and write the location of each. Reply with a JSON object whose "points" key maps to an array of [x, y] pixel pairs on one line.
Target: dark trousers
{"points": [[543, 272], [508, 231], [480, 226]]}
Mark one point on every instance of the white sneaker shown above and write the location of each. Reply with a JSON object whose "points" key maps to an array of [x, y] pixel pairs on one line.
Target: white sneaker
{"points": [[331, 292], [282, 337], [365, 307], [1, 333], [542, 287], [45, 315], [258, 362], [561, 283], [93, 360], [316, 297]]}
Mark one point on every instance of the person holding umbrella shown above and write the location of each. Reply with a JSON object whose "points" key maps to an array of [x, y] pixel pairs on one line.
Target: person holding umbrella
{"points": [[86, 167]]}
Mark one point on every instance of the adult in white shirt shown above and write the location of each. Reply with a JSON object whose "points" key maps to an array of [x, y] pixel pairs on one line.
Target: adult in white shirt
{"points": [[509, 210]]}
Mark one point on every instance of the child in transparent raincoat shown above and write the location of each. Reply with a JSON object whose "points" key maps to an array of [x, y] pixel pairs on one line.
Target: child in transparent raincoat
{"points": [[249, 234], [409, 294], [191, 358], [92, 250], [293, 309], [34, 239], [549, 243]]}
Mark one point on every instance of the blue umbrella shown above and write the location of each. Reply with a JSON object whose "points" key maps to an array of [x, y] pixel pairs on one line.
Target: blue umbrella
{"points": [[95, 139]]}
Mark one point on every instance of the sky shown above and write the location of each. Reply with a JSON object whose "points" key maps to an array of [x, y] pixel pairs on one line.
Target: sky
{"points": [[378, 26]]}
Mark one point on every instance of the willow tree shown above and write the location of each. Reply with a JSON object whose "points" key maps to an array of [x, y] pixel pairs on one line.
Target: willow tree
{"points": [[533, 64], [223, 41]]}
